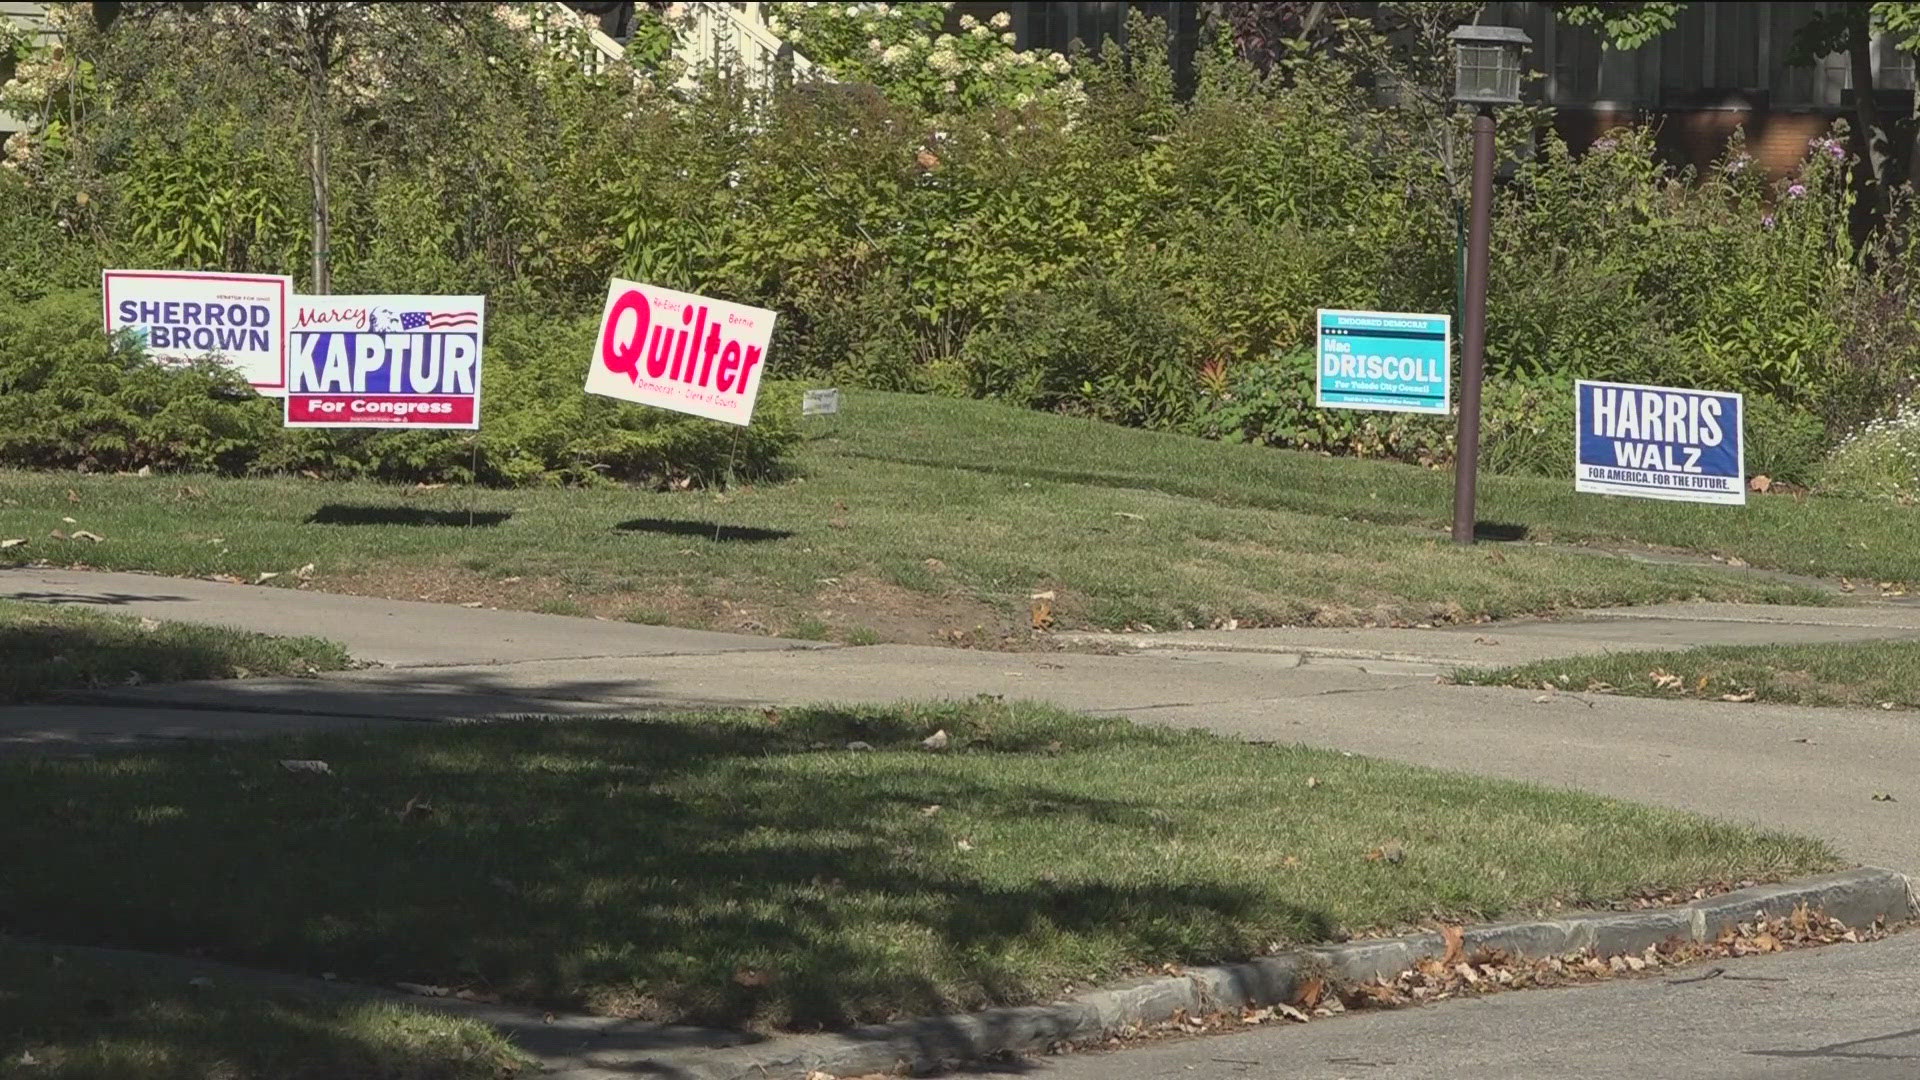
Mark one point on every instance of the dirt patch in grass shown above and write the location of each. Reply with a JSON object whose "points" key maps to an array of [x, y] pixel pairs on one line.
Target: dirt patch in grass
{"points": [[856, 607], [890, 612]]}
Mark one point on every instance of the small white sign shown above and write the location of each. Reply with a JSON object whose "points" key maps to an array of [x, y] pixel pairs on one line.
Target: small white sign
{"points": [[820, 403]]}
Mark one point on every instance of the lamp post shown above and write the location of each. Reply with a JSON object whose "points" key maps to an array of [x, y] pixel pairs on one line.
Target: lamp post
{"points": [[1486, 75]]}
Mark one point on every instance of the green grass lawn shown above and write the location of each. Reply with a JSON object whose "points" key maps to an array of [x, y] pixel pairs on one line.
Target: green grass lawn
{"points": [[1871, 673], [68, 1016], [749, 868], [921, 517], [45, 649]]}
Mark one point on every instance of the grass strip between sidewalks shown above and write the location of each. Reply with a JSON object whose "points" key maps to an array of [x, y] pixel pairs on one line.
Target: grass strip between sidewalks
{"points": [[1862, 673], [45, 649], [753, 869]]}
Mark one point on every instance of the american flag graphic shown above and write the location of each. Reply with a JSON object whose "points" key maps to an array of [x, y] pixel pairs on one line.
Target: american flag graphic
{"points": [[438, 320]]}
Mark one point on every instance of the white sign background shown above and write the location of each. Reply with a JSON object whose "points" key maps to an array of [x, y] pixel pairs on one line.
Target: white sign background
{"points": [[184, 314], [680, 351]]}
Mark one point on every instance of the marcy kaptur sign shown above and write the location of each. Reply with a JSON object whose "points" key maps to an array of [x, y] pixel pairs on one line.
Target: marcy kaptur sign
{"points": [[184, 314], [678, 351], [1659, 442], [385, 361], [1382, 360]]}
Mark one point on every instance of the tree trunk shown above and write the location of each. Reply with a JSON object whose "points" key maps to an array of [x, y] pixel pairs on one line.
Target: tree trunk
{"points": [[1873, 136], [317, 41], [318, 161]]}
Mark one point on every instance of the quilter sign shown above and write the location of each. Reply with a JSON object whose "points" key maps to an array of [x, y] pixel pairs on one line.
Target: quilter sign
{"points": [[386, 361], [679, 351], [1658, 442]]}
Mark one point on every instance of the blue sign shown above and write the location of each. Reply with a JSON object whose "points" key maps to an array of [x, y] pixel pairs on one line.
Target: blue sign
{"points": [[1384, 361], [1658, 442]]}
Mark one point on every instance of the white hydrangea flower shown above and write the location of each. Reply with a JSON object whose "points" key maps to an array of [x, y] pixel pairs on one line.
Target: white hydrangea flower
{"points": [[1001, 20], [1060, 63], [949, 87], [875, 45], [969, 23], [895, 54]]}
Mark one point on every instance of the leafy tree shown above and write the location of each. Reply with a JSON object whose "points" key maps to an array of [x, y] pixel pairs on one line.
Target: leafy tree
{"points": [[1848, 28], [340, 75]]}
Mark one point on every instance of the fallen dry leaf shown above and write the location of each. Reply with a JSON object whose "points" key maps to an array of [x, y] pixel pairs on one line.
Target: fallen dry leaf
{"points": [[12, 542], [1883, 796], [1666, 680], [82, 534], [1042, 610], [1313, 781], [58, 534], [69, 521], [936, 741], [1744, 695], [149, 625], [73, 496], [417, 809], [1456, 938], [1761, 483], [265, 576]]}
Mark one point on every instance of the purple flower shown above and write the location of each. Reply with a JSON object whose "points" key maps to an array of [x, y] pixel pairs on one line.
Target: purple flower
{"points": [[1736, 166], [1797, 191], [1838, 152], [1604, 145], [1767, 221]]}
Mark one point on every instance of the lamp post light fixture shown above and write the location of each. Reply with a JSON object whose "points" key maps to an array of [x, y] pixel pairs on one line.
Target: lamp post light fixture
{"points": [[1486, 75]]}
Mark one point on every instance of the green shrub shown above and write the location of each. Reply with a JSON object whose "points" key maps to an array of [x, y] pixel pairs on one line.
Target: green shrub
{"points": [[70, 398], [1784, 442], [1879, 461]]}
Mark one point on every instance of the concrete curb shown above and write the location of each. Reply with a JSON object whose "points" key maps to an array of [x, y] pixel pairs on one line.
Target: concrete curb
{"points": [[1857, 898]]}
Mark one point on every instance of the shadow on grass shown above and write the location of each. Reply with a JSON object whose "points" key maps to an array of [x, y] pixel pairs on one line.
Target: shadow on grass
{"points": [[40, 657], [80, 1016], [341, 514], [1504, 531], [677, 869], [705, 530]]}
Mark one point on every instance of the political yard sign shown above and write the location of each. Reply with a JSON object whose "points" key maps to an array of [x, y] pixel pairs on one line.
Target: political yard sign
{"points": [[679, 351], [385, 361], [1658, 442], [1383, 361], [181, 315]]}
